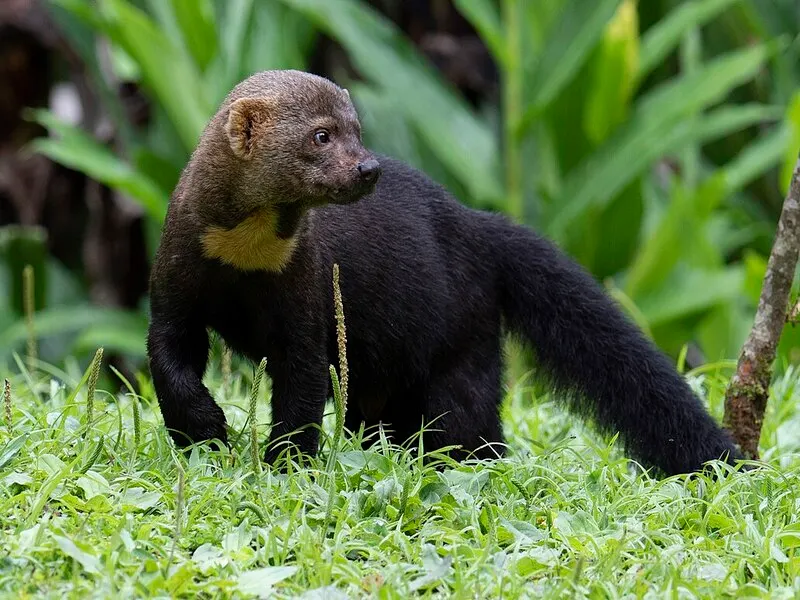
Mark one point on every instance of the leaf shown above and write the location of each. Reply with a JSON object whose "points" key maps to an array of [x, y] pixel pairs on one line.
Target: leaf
{"points": [[17, 478], [75, 149], [666, 34], [689, 291], [756, 159], [50, 464], [790, 536], [435, 566], [196, 21], [704, 86], [126, 338], [793, 122], [464, 143], [572, 38], [208, 556], [776, 553], [12, 449], [659, 254], [483, 16], [658, 126], [167, 71], [51, 321], [259, 582], [136, 497], [88, 561], [614, 69], [521, 532], [93, 484]]}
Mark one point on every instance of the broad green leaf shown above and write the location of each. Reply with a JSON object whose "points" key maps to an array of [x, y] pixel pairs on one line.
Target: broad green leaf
{"points": [[705, 86], [167, 71], [88, 561], [687, 292], [92, 484], [793, 121], [196, 21], [51, 321], [663, 37], [483, 16], [382, 55], [659, 126], [137, 497], [661, 251], [10, 450], [723, 331], [573, 37], [756, 159], [126, 338], [259, 582], [614, 69], [279, 38], [77, 150], [233, 24], [83, 10], [626, 155]]}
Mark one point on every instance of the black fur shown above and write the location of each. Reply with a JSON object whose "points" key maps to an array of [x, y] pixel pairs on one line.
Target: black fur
{"points": [[428, 285]]}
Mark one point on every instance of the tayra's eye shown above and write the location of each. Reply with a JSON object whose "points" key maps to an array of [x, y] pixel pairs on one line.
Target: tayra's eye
{"points": [[321, 137]]}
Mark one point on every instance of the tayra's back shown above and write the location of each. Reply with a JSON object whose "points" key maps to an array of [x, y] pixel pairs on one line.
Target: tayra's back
{"points": [[418, 269]]}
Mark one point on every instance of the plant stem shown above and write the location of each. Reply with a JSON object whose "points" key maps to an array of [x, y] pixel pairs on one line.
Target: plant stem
{"points": [[7, 403], [747, 394], [254, 454], [29, 304], [513, 106]]}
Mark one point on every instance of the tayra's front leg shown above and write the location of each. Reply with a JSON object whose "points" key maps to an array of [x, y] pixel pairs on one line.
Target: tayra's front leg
{"points": [[300, 381], [299, 393], [178, 353]]}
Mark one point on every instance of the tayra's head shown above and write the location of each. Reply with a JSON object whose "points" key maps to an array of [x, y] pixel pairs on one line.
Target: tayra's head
{"points": [[296, 138]]}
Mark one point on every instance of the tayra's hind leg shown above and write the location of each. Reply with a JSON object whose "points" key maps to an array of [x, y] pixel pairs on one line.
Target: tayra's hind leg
{"points": [[461, 407]]}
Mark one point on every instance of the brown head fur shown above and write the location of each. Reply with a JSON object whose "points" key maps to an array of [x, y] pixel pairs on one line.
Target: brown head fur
{"points": [[282, 141]]}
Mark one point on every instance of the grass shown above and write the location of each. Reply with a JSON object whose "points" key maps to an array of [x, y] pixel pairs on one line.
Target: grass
{"points": [[111, 510]]}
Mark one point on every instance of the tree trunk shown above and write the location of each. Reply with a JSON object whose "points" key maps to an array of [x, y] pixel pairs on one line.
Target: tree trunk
{"points": [[746, 397]]}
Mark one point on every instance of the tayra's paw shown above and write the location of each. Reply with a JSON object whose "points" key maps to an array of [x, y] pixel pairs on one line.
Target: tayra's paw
{"points": [[202, 425], [279, 454]]}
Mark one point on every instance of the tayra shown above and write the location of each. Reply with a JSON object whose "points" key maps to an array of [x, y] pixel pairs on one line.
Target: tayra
{"points": [[279, 189]]}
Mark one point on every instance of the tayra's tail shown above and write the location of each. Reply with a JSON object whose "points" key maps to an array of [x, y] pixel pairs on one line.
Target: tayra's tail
{"points": [[601, 362]]}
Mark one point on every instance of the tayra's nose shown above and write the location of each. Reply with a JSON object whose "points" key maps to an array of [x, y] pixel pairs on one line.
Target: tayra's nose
{"points": [[369, 170]]}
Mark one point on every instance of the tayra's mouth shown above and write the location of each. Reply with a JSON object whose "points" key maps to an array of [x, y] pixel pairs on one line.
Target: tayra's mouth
{"points": [[351, 194]]}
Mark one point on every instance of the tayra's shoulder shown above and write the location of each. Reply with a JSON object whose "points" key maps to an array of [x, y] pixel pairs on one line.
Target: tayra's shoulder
{"points": [[398, 170], [401, 181]]}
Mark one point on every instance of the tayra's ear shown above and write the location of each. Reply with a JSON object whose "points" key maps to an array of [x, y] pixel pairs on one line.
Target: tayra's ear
{"points": [[247, 119]]}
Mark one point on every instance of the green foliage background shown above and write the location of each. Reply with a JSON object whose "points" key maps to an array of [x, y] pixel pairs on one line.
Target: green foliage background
{"points": [[651, 140]]}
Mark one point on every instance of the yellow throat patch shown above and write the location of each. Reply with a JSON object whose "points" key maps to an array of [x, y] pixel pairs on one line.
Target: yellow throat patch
{"points": [[253, 245]]}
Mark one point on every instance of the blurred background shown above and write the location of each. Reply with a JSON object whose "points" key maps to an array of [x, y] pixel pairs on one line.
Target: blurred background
{"points": [[652, 140]]}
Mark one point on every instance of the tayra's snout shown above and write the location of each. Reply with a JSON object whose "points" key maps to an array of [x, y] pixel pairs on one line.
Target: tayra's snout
{"points": [[369, 170]]}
